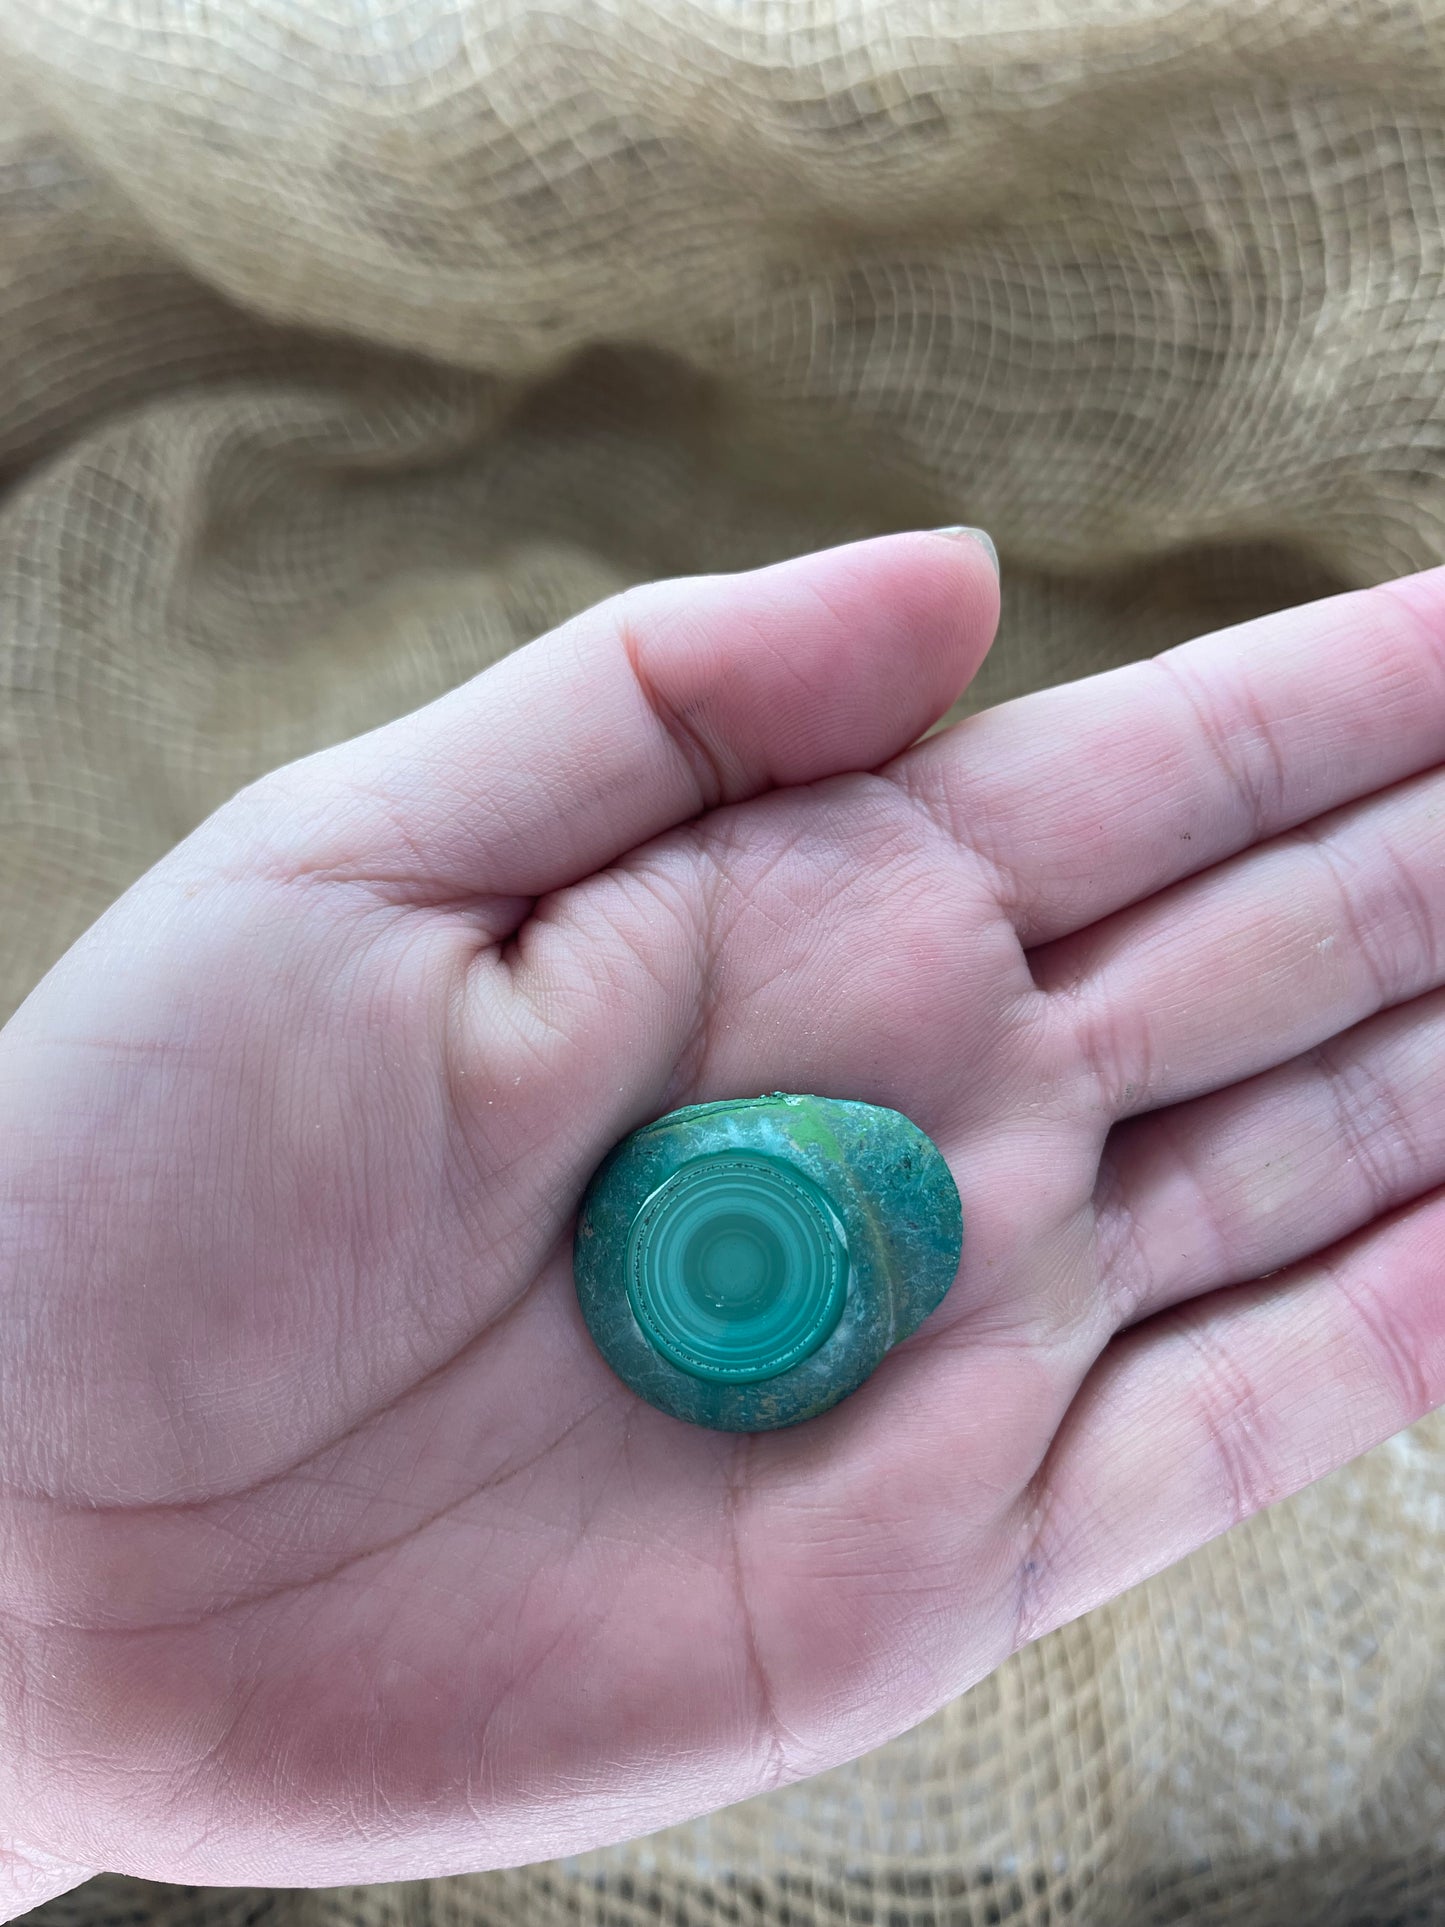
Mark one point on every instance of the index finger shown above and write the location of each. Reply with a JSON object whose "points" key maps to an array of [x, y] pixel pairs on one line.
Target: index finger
{"points": [[1091, 796]]}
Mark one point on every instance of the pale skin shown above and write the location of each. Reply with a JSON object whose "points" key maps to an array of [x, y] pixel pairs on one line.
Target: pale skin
{"points": [[330, 1549]]}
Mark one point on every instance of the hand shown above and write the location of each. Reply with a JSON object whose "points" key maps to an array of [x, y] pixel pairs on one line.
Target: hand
{"points": [[330, 1549]]}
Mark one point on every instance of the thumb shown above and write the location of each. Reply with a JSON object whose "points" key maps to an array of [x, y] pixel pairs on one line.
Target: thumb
{"points": [[639, 713]]}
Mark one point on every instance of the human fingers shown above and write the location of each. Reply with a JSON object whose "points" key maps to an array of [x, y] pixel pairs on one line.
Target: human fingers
{"points": [[639, 714], [1263, 957], [1195, 1420], [1092, 796], [1254, 1178]]}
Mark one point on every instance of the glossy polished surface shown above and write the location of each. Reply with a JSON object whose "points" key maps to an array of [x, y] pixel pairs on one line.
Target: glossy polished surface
{"points": [[737, 1267], [746, 1264]]}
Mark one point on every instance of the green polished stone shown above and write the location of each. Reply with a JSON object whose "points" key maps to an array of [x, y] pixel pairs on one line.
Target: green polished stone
{"points": [[746, 1264]]}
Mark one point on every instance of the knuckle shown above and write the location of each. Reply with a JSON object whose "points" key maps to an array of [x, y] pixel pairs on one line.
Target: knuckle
{"points": [[1372, 1126], [1237, 732], [679, 718], [1227, 1407], [1115, 1043]]}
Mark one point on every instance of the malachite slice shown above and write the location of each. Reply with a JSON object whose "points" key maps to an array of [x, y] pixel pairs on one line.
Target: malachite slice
{"points": [[737, 1267], [746, 1263]]}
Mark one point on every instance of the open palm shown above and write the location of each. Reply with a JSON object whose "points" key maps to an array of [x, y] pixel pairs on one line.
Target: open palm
{"points": [[331, 1550]]}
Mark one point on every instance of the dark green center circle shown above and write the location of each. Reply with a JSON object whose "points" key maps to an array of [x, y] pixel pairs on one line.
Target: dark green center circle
{"points": [[737, 1267]]}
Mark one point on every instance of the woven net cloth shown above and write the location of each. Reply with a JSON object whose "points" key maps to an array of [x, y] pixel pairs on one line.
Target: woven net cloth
{"points": [[345, 345]]}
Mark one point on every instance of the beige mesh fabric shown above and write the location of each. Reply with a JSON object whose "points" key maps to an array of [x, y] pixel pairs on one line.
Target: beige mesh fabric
{"points": [[347, 344]]}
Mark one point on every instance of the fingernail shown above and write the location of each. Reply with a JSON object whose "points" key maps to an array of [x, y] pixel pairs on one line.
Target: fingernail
{"points": [[981, 536]]}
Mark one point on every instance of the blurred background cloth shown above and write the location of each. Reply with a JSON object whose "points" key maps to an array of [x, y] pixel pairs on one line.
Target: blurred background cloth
{"points": [[345, 346]]}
